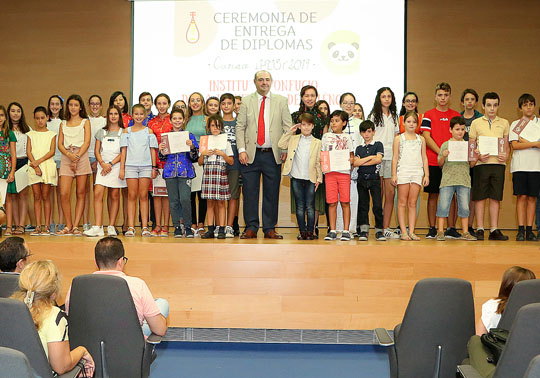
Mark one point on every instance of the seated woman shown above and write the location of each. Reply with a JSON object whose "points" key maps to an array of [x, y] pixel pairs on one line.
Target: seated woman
{"points": [[39, 287], [493, 308]]}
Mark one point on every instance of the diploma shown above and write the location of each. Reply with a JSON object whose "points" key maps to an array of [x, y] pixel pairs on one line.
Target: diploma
{"points": [[213, 142], [3, 191], [175, 142], [531, 132], [336, 160], [488, 145], [459, 150], [159, 187], [21, 178]]}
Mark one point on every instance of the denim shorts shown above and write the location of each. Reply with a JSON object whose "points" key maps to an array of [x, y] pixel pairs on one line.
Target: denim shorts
{"points": [[135, 172], [446, 193]]}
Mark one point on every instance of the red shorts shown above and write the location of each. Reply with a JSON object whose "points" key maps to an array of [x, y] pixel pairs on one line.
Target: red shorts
{"points": [[338, 187]]}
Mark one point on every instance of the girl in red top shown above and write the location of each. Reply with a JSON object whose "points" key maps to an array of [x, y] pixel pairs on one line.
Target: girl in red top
{"points": [[409, 104], [159, 125]]}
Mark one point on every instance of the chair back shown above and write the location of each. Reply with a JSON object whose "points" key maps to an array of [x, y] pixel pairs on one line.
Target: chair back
{"points": [[533, 371], [14, 364], [20, 334], [103, 318], [8, 284], [523, 293], [523, 343], [438, 322]]}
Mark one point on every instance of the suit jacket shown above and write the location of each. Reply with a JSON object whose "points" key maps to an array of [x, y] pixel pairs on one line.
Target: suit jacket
{"points": [[247, 124], [291, 142]]}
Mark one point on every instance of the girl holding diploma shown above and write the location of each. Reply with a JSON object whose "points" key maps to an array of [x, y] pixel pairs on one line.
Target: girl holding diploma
{"points": [[8, 161], [138, 167], [40, 148], [108, 156], [409, 172], [161, 124], [215, 185], [178, 173]]}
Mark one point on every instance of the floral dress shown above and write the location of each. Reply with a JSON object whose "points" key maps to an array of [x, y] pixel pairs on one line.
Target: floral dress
{"points": [[5, 159]]}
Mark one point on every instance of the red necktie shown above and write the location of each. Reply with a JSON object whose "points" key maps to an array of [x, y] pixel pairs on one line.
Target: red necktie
{"points": [[260, 132]]}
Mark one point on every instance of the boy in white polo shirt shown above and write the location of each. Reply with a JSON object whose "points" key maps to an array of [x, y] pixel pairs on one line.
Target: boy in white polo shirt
{"points": [[525, 167]]}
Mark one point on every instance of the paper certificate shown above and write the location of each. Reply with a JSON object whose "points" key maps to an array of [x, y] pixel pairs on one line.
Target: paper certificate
{"points": [[159, 187], [488, 145], [175, 142], [213, 142], [21, 178], [3, 191], [337, 160], [459, 150], [531, 132]]}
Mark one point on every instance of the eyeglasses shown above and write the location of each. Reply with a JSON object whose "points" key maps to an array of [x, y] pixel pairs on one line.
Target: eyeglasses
{"points": [[95, 104], [347, 103], [125, 260], [27, 256], [410, 101]]}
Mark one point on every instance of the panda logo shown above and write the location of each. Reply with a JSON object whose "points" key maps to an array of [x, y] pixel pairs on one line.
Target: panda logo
{"points": [[340, 52]]}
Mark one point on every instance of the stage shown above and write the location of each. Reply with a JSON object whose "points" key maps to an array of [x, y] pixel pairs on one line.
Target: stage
{"points": [[290, 284]]}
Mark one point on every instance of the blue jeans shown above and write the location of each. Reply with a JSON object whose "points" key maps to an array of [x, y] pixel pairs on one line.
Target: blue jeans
{"points": [[179, 193], [304, 195], [446, 193]]}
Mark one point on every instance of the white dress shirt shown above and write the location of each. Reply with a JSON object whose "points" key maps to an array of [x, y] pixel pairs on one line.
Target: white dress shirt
{"points": [[267, 141], [300, 166]]}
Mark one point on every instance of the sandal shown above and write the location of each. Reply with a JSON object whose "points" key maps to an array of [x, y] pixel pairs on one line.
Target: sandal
{"points": [[45, 231], [76, 232], [36, 232], [156, 231], [64, 232], [8, 231], [164, 231], [130, 232], [146, 232], [405, 237], [19, 230], [414, 237]]}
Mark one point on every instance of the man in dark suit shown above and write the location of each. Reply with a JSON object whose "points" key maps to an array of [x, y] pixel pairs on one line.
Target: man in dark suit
{"points": [[262, 119]]}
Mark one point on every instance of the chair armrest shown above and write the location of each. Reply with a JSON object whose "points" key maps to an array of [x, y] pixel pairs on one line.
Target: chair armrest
{"points": [[467, 371], [154, 339], [383, 337], [72, 373]]}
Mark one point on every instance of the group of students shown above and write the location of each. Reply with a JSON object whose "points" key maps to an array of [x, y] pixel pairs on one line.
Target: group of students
{"points": [[125, 152]]}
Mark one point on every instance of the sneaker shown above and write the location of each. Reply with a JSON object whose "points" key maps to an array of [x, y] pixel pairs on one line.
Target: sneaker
{"points": [[379, 236], [195, 232], [229, 232], [210, 234], [111, 231], [178, 232], [479, 234], [345, 236], [440, 236], [86, 227], [520, 235], [530, 236], [29, 228], [331, 236], [60, 227], [467, 236], [189, 233], [221, 232], [363, 235], [432, 233], [497, 235], [94, 231], [392, 234], [471, 231], [451, 233]]}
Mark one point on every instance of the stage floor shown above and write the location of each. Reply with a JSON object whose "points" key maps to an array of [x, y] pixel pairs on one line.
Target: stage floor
{"points": [[288, 283]]}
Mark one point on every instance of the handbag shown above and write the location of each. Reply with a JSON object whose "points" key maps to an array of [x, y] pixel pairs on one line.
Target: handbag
{"points": [[495, 340]]}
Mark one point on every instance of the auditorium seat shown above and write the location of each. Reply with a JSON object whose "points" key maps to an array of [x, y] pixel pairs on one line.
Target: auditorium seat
{"points": [[432, 339], [8, 284], [21, 335], [522, 346], [523, 293], [533, 371], [14, 364], [102, 317]]}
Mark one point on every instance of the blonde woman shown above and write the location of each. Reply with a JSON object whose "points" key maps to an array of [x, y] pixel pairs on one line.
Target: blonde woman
{"points": [[39, 286]]}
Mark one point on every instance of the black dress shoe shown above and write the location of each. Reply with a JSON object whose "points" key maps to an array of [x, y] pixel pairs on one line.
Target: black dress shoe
{"points": [[479, 234]]}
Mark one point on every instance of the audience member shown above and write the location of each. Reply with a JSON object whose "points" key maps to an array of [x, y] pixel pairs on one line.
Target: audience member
{"points": [[14, 254]]}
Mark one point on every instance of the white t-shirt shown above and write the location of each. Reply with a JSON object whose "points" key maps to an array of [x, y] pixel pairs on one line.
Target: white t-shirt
{"points": [[54, 328], [228, 151], [353, 130], [96, 123], [54, 125], [385, 134], [20, 146], [490, 318], [524, 160]]}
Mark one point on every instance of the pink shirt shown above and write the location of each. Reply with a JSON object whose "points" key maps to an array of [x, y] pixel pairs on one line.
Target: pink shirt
{"points": [[142, 298]]}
